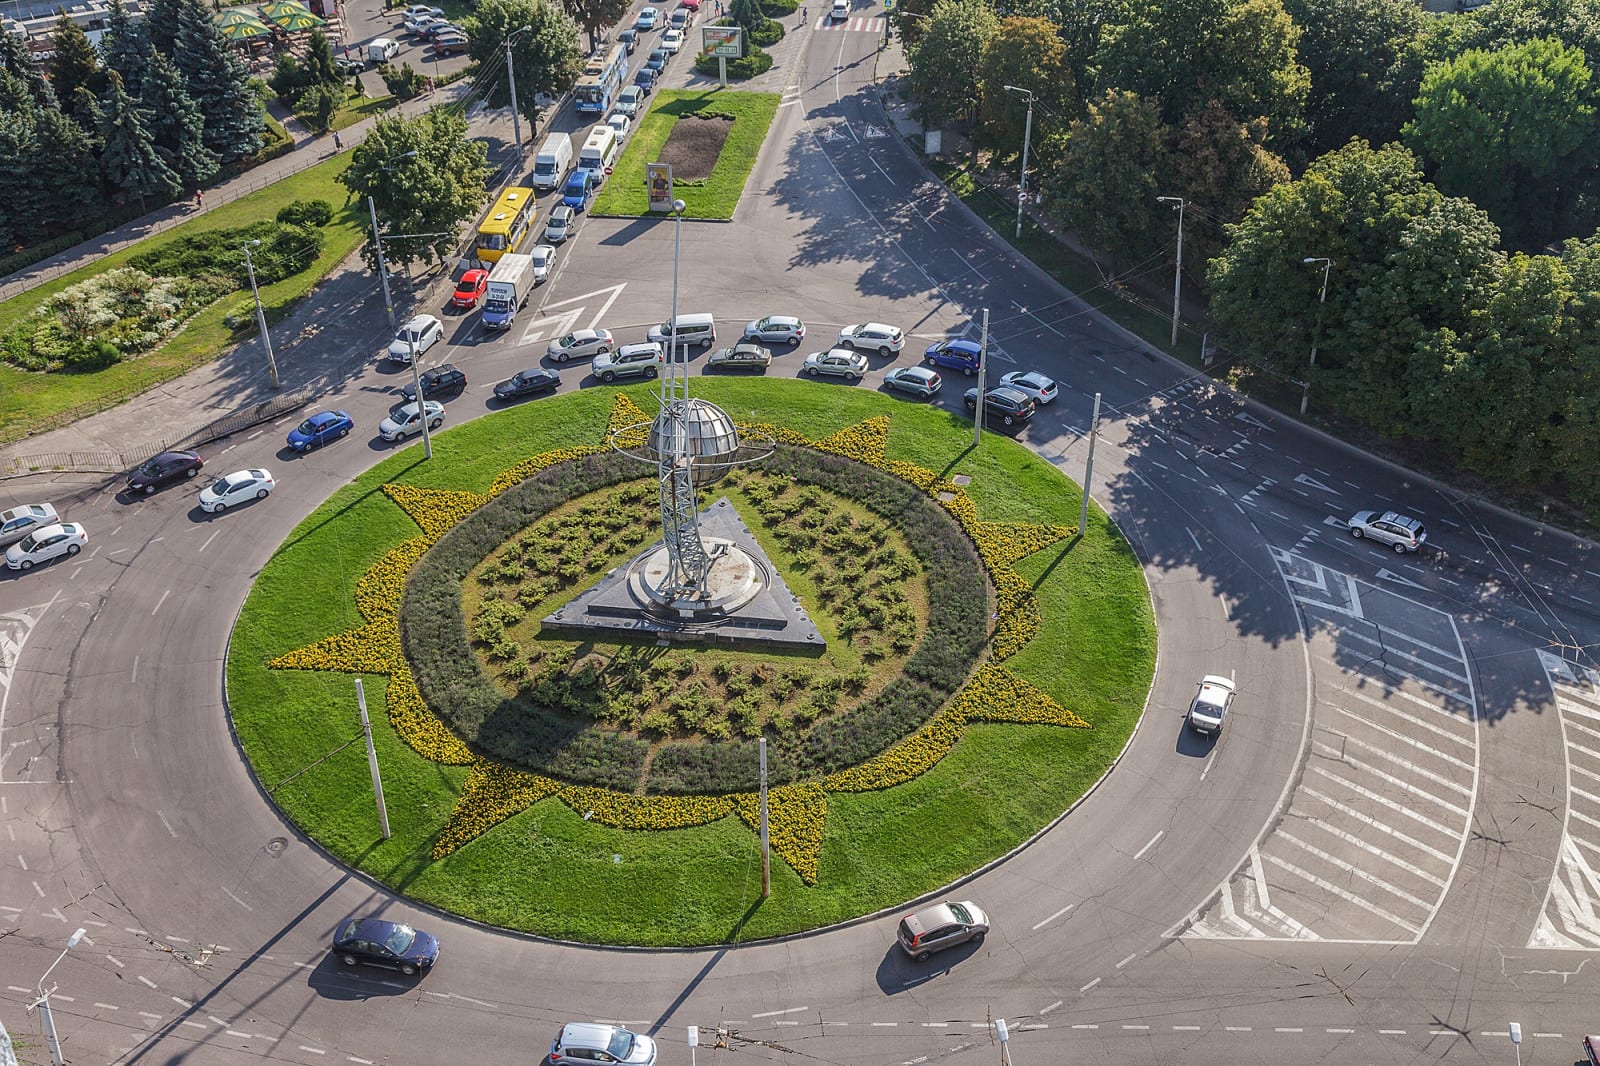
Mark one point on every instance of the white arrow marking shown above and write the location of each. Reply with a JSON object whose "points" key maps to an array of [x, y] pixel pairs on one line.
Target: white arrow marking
{"points": [[1389, 575], [1307, 479]]}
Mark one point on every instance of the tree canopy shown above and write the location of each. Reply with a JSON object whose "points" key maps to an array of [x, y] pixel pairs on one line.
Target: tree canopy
{"points": [[544, 59], [947, 60], [1026, 53]]}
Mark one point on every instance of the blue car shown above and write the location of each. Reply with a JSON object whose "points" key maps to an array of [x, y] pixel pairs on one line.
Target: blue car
{"points": [[957, 355], [319, 429], [656, 61], [580, 187], [645, 79]]}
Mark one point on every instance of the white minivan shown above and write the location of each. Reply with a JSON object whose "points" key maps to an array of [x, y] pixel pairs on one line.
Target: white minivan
{"points": [[599, 151], [691, 330], [553, 161]]}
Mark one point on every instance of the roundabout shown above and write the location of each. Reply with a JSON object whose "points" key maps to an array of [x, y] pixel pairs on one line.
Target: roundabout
{"points": [[905, 754]]}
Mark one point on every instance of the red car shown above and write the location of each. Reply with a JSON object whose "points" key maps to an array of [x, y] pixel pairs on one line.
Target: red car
{"points": [[470, 288], [692, 5]]}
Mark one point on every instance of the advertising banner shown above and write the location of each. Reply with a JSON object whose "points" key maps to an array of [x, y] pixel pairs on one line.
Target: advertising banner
{"points": [[659, 177], [720, 41]]}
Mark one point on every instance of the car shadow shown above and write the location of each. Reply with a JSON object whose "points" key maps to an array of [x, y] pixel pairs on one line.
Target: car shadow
{"points": [[332, 979], [1193, 744], [898, 973]]}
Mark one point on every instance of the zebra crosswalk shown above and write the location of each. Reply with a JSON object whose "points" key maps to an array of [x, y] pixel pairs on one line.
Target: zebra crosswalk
{"points": [[861, 24], [1570, 918]]}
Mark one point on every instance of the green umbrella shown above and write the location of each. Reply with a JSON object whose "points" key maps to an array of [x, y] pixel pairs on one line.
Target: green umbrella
{"points": [[290, 15], [237, 24]]}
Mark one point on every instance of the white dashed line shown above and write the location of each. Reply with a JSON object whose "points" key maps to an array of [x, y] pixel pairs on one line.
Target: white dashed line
{"points": [[776, 1013], [1090, 985], [1040, 925]]}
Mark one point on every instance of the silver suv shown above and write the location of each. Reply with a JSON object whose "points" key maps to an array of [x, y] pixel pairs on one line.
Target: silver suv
{"points": [[1401, 532], [630, 360]]}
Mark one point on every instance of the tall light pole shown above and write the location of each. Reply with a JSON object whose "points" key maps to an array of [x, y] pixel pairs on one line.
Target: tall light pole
{"points": [[678, 207], [511, 73], [46, 1019], [1003, 1034], [983, 374], [1177, 273], [1027, 136], [1327, 264], [261, 316]]}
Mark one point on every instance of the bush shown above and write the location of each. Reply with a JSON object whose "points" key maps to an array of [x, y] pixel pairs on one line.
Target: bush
{"points": [[757, 62], [317, 105], [306, 213], [289, 80], [767, 35], [402, 82]]}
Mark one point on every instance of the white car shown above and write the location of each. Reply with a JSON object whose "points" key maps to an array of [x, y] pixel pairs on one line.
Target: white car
{"points": [[841, 11], [1032, 384], [404, 421], [648, 17], [423, 10], [630, 101], [559, 226], [619, 122], [672, 40], [235, 488], [1210, 704], [581, 1043], [580, 344], [420, 334], [415, 24], [544, 258], [776, 329], [840, 362], [20, 521], [46, 543], [887, 340]]}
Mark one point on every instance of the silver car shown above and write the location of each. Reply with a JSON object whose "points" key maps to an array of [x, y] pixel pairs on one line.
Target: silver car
{"points": [[943, 925], [405, 420], [776, 329], [839, 362], [1401, 532], [582, 1043], [580, 344], [873, 336], [415, 338], [20, 521], [917, 380], [630, 360]]}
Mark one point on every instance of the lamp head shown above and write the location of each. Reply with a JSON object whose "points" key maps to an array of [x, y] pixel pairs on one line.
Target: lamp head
{"points": [[256, 243], [72, 941], [678, 206]]}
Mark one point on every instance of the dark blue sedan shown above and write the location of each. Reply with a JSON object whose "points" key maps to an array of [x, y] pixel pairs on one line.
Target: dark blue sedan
{"points": [[319, 429], [957, 355], [376, 942], [527, 383]]}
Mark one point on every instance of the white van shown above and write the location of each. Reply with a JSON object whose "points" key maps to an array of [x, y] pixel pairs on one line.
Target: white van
{"points": [[599, 151], [382, 49], [550, 166], [690, 329]]}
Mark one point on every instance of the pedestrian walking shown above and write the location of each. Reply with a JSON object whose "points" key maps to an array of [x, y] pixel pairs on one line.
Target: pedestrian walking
{"points": [[338, 145], [199, 200]]}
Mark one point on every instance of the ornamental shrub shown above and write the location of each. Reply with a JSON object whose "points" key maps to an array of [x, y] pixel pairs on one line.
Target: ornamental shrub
{"points": [[306, 213]]}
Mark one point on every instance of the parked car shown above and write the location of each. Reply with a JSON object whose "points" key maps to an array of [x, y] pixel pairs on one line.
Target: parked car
{"points": [[164, 469], [630, 360], [449, 44], [580, 344], [415, 338], [416, 25], [943, 925], [237, 487], [436, 29], [1032, 384], [348, 68], [648, 17], [957, 355], [405, 420], [630, 100], [378, 942], [656, 61], [742, 356], [421, 10], [544, 258], [46, 543], [1004, 402], [469, 290], [319, 429], [671, 41], [446, 379], [582, 1043], [1401, 532], [20, 521], [886, 340], [839, 362], [776, 329], [629, 39], [528, 382], [558, 227], [917, 380], [1210, 705]]}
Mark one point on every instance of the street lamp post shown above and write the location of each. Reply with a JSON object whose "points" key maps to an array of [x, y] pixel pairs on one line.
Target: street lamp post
{"points": [[678, 207], [1027, 136], [1003, 1034], [1177, 273], [1327, 264], [511, 74], [46, 1019], [261, 316]]}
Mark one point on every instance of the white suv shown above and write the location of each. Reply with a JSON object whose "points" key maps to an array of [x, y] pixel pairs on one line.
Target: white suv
{"points": [[630, 360], [1401, 532]]}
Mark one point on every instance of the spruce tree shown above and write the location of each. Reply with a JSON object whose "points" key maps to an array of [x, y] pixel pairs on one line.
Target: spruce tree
{"points": [[175, 124], [15, 60], [22, 208], [161, 22], [319, 60], [89, 116], [132, 165], [218, 83], [126, 47], [75, 62], [67, 154]]}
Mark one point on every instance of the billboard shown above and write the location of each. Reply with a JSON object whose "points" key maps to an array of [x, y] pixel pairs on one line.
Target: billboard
{"points": [[658, 177], [721, 41]]}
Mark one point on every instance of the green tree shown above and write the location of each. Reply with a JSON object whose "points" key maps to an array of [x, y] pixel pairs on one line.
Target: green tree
{"points": [[162, 22], [86, 112], [318, 62], [1513, 130], [596, 15], [175, 124], [424, 177], [1027, 53], [25, 208], [317, 105], [126, 48], [74, 63], [132, 165], [947, 60], [1109, 176], [1364, 59], [544, 59], [217, 81], [1186, 53], [17, 61], [1219, 165]]}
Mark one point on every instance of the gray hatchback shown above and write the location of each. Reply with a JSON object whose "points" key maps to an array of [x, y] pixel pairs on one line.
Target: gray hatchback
{"points": [[943, 925], [1400, 532]]}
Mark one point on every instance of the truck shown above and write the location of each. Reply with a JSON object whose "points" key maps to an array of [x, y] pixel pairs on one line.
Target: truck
{"points": [[510, 284], [550, 166]]}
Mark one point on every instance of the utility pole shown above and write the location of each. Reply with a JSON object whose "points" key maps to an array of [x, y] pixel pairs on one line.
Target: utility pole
{"points": [[372, 757], [983, 374], [383, 271], [261, 316], [511, 74], [1088, 466], [1027, 136], [1327, 264], [766, 858], [47, 1020], [1177, 273]]}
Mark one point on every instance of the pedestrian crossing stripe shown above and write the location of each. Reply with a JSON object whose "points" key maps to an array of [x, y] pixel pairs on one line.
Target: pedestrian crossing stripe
{"points": [[864, 24]]}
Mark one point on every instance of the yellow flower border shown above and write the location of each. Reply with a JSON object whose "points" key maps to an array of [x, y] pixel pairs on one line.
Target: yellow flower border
{"points": [[796, 813]]}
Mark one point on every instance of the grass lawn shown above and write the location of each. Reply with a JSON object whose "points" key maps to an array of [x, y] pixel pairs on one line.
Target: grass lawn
{"points": [[357, 108], [716, 196], [999, 785], [33, 402]]}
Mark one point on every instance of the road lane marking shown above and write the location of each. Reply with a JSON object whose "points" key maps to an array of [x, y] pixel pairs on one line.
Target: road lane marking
{"points": [[1150, 845], [1088, 986], [1039, 925], [776, 1013]]}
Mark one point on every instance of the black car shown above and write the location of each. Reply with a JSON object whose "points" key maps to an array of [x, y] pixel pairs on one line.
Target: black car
{"points": [[1011, 405], [629, 39], [164, 469], [377, 942], [443, 379], [527, 383]]}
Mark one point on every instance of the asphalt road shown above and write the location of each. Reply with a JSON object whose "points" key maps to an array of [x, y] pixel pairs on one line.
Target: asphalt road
{"points": [[1384, 857]]}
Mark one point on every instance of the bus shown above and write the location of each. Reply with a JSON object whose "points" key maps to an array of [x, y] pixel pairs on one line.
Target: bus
{"points": [[507, 224], [602, 80]]}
